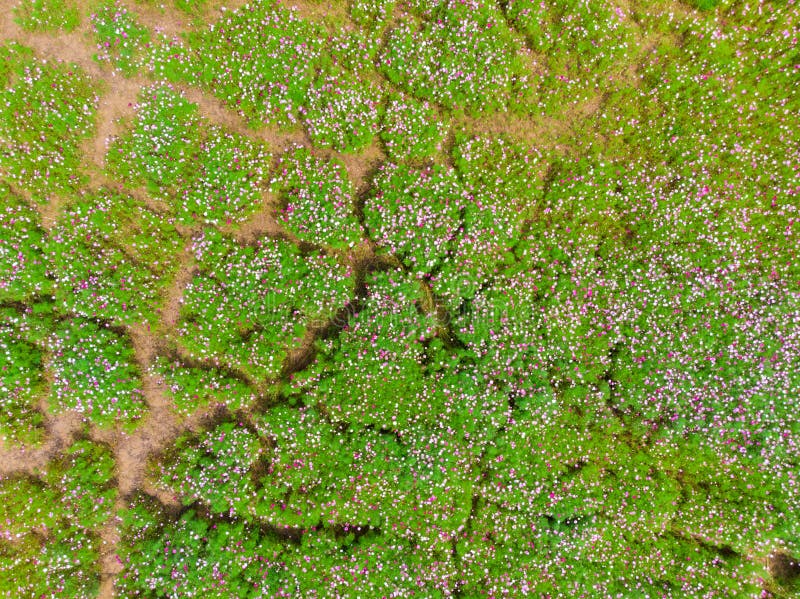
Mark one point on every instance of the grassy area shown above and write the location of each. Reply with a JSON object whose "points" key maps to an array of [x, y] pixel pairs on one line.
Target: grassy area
{"points": [[408, 299]]}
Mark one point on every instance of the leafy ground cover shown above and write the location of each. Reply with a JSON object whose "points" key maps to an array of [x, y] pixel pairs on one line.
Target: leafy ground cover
{"points": [[205, 173], [120, 39], [52, 522], [46, 15], [469, 300], [46, 109]]}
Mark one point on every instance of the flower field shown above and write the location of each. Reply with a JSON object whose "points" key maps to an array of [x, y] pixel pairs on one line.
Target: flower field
{"points": [[400, 298]]}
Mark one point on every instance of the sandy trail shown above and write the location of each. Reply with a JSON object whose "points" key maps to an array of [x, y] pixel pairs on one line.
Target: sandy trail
{"points": [[173, 298], [62, 431]]}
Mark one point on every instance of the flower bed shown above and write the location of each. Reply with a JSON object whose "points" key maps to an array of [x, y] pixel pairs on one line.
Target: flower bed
{"points": [[316, 199], [46, 111]]}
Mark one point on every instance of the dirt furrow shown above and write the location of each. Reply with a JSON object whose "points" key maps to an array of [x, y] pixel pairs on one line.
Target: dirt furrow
{"points": [[173, 298], [162, 19], [110, 564], [259, 224], [75, 46], [116, 103], [62, 430]]}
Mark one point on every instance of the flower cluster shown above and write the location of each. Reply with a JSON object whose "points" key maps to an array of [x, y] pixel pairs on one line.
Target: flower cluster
{"points": [[355, 51], [205, 173], [46, 110], [51, 524], [191, 388], [21, 382], [465, 58], [378, 355], [316, 199], [415, 214], [109, 257], [570, 370], [342, 112], [248, 305], [22, 264], [93, 374], [411, 130], [258, 59], [120, 38], [215, 469], [371, 14], [159, 150], [227, 181], [584, 41]]}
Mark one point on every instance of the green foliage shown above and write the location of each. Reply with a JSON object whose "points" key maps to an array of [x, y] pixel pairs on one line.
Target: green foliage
{"points": [[195, 557], [584, 42], [23, 267], [379, 356], [464, 58], [249, 304], [21, 383], [355, 51], [371, 14], [110, 257], [94, 375], [46, 110], [342, 111], [51, 544], [704, 4], [411, 130], [415, 214], [316, 199], [262, 66], [206, 174], [159, 150], [553, 354], [193, 388], [215, 469], [46, 15], [120, 38]]}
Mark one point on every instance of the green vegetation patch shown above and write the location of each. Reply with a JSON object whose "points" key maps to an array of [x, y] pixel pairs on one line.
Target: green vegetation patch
{"points": [[205, 173], [250, 304], [21, 383], [121, 40], [342, 112], [464, 58], [411, 129], [46, 111], [258, 59], [316, 199], [23, 266], [51, 525], [110, 258], [94, 374], [414, 214], [193, 388], [46, 15]]}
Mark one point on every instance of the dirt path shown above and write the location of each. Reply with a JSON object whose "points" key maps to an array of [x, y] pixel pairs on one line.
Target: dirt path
{"points": [[161, 424], [110, 564], [117, 102], [360, 166], [173, 298], [62, 431], [162, 19], [259, 224], [75, 46]]}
